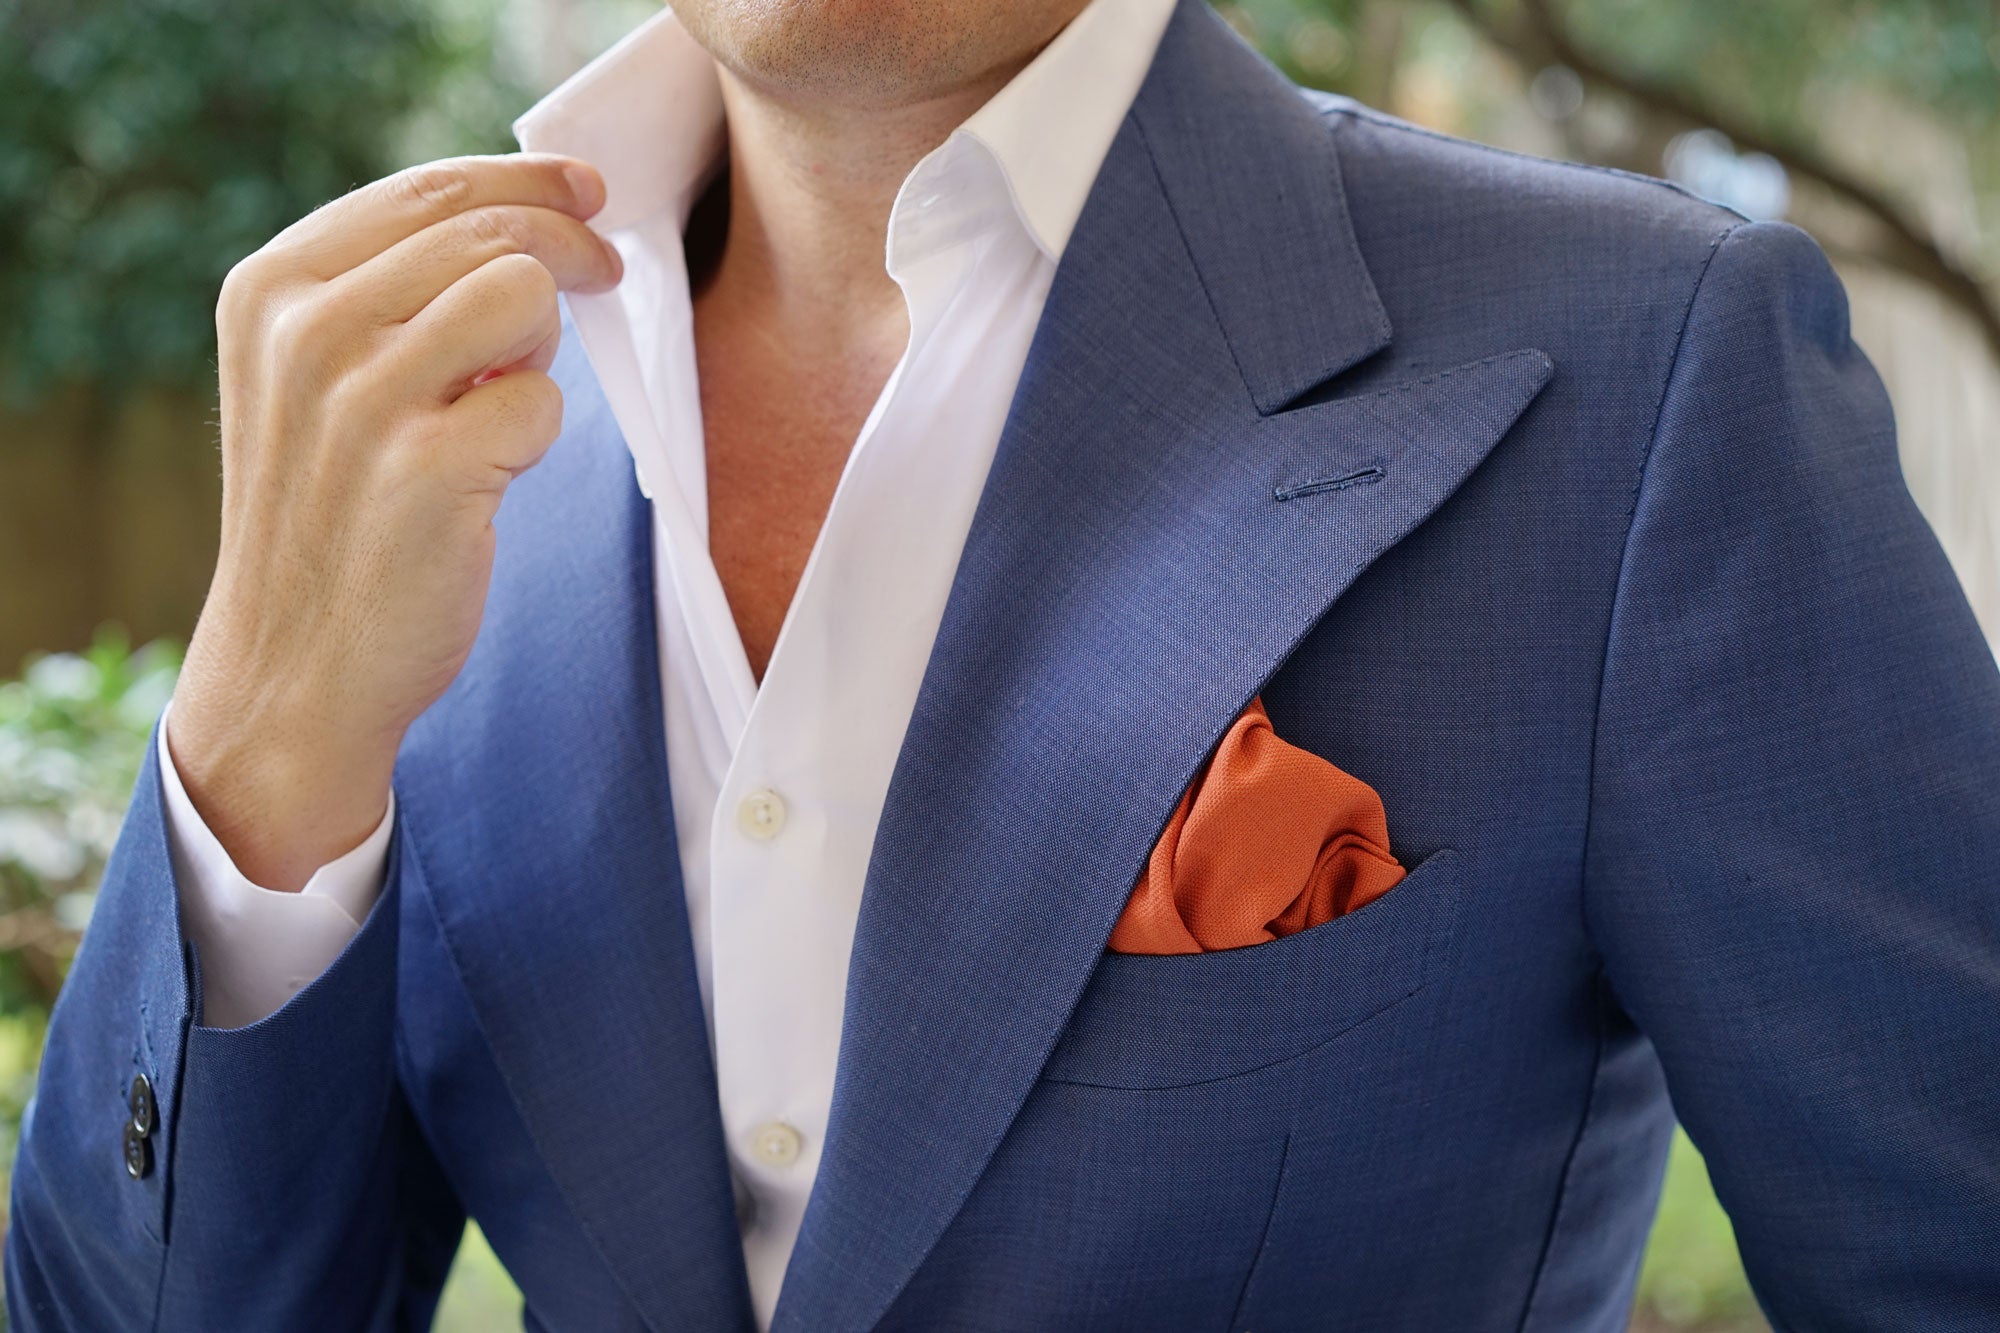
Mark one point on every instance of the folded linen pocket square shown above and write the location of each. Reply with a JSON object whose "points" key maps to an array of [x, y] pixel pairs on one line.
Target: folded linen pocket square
{"points": [[1268, 840]]}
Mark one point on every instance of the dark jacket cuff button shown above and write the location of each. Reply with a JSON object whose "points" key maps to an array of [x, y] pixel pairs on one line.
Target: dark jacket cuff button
{"points": [[141, 1103], [138, 1153]]}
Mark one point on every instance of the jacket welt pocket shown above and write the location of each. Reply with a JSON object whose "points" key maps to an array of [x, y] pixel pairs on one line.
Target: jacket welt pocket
{"points": [[1170, 1021]]}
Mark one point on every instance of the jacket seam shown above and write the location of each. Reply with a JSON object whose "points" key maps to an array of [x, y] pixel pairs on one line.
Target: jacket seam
{"points": [[1569, 1158], [1264, 1238], [1358, 111], [165, 1165], [1390, 1003], [168, 1117], [1600, 981], [1624, 557]]}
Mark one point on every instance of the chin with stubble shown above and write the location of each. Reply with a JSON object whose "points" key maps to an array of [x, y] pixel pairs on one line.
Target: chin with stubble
{"points": [[869, 54]]}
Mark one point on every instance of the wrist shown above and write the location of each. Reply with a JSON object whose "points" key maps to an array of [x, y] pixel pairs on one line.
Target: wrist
{"points": [[283, 786]]}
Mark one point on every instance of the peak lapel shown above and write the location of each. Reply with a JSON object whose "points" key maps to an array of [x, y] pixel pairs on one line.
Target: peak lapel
{"points": [[534, 795], [1131, 579], [1255, 188]]}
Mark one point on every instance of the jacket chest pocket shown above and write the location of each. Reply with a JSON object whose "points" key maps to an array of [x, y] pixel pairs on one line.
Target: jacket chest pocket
{"points": [[1174, 1021], [1135, 1188]]}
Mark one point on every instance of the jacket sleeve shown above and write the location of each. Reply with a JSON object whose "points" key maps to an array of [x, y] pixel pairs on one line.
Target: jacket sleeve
{"points": [[283, 1183], [1793, 869]]}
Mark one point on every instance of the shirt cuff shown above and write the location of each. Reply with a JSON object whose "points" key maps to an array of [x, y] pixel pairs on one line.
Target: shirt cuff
{"points": [[259, 947]]}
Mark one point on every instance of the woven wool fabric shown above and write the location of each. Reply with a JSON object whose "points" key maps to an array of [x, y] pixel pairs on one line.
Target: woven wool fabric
{"points": [[1557, 503], [1268, 841]]}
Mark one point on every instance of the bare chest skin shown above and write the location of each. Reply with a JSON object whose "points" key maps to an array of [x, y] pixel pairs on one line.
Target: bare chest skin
{"points": [[778, 434], [784, 394]]}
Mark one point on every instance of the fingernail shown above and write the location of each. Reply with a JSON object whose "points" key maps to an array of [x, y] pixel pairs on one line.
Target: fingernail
{"points": [[586, 185]]}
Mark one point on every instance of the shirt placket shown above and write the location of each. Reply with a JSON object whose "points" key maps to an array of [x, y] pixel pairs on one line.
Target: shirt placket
{"points": [[784, 862]]}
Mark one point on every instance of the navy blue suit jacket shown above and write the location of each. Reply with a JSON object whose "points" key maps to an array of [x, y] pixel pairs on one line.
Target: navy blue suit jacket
{"points": [[1550, 501]]}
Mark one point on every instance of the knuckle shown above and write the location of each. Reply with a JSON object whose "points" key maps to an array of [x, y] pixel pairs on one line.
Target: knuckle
{"points": [[418, 452], [534, 407], [306, 328], [520, 280], [494, 228], [437, 189], [245, 287], [353, 395], [542, 405], [497, 289]]}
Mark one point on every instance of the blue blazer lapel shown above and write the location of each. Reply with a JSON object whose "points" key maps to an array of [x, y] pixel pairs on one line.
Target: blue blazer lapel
{"points": [[535, 805], [1170, 510]]}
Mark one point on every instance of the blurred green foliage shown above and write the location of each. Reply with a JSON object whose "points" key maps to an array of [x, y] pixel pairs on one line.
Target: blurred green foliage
{"points": [[1767, 57], [1777, 71], [1692, 1277], [147, 145], [478, 1296], [73, 731], [1935, 53]]}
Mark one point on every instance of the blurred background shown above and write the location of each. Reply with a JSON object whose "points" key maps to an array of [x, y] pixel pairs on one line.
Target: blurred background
{"points": [[147, 145]]}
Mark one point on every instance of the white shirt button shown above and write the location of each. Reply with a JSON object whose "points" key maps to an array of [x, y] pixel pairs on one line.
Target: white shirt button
{"points": [[761, 814], [775, 1143]]}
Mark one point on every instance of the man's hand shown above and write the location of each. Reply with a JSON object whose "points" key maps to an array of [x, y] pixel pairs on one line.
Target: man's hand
{"points": [[383, 377]]}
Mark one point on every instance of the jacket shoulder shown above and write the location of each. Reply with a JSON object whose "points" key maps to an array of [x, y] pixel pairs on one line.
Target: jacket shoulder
{"points": [[1409, 175]]}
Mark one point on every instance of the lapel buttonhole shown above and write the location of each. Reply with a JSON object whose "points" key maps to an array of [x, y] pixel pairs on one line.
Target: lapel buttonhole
{"points": [[1315, 485]]}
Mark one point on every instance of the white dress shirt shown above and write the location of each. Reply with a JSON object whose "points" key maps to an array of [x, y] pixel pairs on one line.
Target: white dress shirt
{"points": [[776, 789]]}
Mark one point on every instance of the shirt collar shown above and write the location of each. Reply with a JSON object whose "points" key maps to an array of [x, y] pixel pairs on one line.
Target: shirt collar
{"points": [[1051, 126], [648, 114]]}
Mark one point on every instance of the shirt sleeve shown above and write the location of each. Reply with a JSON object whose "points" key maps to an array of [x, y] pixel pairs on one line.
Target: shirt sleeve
{"points": [[258, 947]]}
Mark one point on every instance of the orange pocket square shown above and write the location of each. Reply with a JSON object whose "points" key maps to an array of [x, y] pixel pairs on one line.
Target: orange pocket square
{"points": [[1269, 840]]}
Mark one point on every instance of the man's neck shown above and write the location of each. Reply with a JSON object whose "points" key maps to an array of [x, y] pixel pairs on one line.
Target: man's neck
{"points": [[797, 323], [810, 189]]}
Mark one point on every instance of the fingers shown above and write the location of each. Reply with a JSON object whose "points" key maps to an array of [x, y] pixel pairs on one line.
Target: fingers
{"points": [[508, 423], [360, 225], [540, 360], [498, 315], [402, 280]]}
